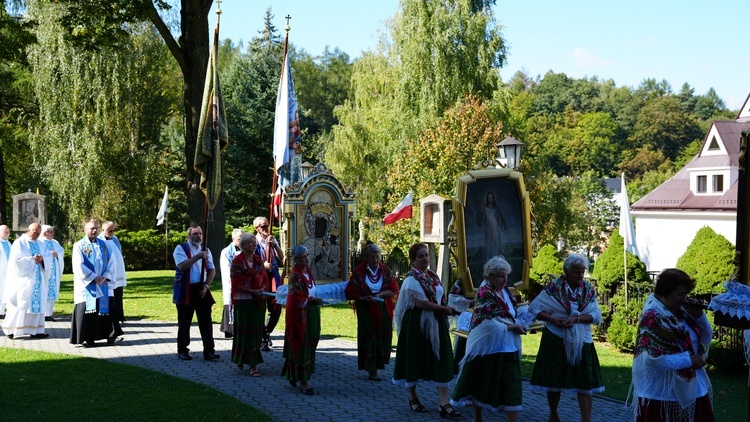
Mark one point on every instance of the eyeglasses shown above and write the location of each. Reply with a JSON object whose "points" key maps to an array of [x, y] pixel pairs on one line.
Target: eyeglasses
{"points": [[265, 226]]}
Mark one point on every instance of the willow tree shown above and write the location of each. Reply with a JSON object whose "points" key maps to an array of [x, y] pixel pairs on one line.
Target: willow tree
{"points": [[96, 143], [17, 104], [432, 55], [95, 24]]}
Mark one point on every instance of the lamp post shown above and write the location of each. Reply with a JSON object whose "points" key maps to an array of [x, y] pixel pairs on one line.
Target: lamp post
{"points": [[509, 149]]}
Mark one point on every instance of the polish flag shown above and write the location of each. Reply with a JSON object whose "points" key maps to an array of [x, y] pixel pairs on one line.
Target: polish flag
{"points": [[403, 210], [277, 198]]}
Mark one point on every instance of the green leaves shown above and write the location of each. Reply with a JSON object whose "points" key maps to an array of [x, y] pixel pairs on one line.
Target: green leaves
{"points": [[709, 260]]}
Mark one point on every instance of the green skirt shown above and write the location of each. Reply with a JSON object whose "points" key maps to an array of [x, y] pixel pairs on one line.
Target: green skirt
{"points": [[303, 369], [491, 381], [460, 351], [373, 338], [552, 372], [415, 360], [249, 327]]}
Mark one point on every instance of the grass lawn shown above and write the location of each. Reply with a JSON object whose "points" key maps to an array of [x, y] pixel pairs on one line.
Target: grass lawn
{"points": [[149, 296], [53, 387]]}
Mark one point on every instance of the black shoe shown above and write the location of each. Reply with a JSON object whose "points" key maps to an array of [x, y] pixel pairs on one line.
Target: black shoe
{"points": [[448, 411], [40, 335], [309, 391], [88, 344], [270, 343], [10, 336], [264, 347], [49, 318], [228, 335], [211, 357], [184, 356], [113, 340]]}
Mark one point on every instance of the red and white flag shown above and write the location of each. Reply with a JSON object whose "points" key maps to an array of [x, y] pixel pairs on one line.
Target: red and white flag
{"points": [[403, 210], [277, 199]]}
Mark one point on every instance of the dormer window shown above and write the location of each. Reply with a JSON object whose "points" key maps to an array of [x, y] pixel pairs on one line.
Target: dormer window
{"points": [[702, 184], [714, 145], [718, 182]]}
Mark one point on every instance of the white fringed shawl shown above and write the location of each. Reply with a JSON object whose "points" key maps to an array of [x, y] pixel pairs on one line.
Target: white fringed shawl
{"points": [[573, 337], [411, 291]]}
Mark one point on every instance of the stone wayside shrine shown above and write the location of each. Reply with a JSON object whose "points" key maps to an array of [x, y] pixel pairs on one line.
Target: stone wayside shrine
{"points": [[318, 213], [28, 208]]}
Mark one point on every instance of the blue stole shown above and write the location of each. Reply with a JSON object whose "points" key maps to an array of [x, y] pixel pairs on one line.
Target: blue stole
{"points": [[52, 284], [6, 248], [36, 291], [92, 289]]}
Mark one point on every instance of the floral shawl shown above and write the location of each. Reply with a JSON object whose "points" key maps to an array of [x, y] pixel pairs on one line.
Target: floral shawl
{"points": [[554, 300], [357, 287], [296, 309], [421, 286], [558, 290], [246, 277], [489, 306], [489, 325], [661, 337]]}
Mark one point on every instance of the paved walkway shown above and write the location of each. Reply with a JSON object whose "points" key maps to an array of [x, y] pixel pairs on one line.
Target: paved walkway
{"points": [[341, 392]]}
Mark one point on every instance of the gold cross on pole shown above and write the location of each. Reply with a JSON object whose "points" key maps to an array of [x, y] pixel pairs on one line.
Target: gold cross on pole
{"points": [[218, 7]]}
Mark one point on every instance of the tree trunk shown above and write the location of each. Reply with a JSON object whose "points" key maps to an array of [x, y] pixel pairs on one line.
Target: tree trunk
{"points": [[3, 193], [194, 43]]}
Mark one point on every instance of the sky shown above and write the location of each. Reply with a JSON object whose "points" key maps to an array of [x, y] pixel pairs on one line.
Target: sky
{"points": [[703, 43]]}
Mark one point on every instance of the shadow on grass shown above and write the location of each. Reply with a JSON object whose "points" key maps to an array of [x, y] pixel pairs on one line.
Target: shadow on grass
{"points": [[53, 387]]}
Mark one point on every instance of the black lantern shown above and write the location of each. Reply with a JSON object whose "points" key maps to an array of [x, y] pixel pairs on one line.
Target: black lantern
{"points": [[510, 150]]}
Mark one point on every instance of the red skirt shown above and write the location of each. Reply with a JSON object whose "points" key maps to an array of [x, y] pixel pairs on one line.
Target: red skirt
{"points": [[659, 411]]}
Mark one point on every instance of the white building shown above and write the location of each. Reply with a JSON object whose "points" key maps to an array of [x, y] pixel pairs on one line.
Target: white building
{"points": [[703, 193]]}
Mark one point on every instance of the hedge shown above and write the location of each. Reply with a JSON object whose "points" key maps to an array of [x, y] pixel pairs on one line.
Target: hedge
{"points": [[147, 249]]}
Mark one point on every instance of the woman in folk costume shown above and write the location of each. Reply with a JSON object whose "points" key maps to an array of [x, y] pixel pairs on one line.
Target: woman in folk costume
{"points": [[669, 379], [424, 350], [490, 375], [372, 288], [302, 323], [567, 360], [249, 281]]}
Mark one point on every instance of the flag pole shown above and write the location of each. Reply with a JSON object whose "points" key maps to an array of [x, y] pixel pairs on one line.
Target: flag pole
{"points": [[166, 237], [275, 180], [625, 265]]}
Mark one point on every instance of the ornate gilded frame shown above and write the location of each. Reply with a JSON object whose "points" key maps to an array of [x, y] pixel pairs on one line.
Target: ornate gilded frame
{"points": [[472, 194]]}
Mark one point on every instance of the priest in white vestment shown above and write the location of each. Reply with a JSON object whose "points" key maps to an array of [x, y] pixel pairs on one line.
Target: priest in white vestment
{"points": [[108, 235], [4, 254], [55, 272], [26, 285], [225, 262]]}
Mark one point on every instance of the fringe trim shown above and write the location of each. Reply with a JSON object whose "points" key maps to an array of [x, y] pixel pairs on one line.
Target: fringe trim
{"points": [[404, 383], [470, 400], [541, 389]]}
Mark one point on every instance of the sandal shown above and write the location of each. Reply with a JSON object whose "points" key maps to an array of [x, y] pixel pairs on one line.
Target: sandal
{"points": [[444, 413], [309, 391], [417, 406], [254, 373]]}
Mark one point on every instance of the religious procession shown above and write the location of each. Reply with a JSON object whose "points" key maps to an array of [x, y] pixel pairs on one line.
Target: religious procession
{"points": [[449, 280]]}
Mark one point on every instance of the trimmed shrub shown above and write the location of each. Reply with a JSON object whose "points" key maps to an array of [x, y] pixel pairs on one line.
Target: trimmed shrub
{"points": [[547, 267], [623, 327], [608, 268], [709, 260]]}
